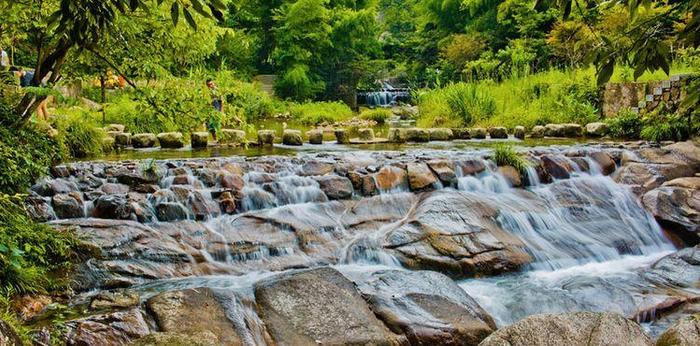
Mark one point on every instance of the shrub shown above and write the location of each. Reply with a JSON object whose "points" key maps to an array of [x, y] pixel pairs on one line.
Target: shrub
{"points": [[80, 135], [25, 155], [505, 155], [315, 113], [626, 124], [378, 115], [661, 125]]}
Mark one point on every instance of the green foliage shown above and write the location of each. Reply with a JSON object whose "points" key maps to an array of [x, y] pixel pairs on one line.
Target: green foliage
{"points": [[29, 251], [458, 104], [663, 125], [319, 112], [378, 115], [25, 155], [626, 124], [505, 155], [297, 84], [80, 135]]}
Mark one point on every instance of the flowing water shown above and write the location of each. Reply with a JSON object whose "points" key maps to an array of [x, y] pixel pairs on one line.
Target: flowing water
{"points": [[589, 238]]}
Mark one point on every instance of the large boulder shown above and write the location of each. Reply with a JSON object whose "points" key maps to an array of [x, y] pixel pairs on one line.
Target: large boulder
{"points": [[50, 187], [498, 132], [292, 137], [122, 139], [318, 306], [144, 140], [335, 187], [555, 167], [512, 175], [596, 129], [193, 311], [171, 140], [685, 332], [118, 328], [445, 170], [676, 205], [420, 177], [427, 307], [571, 329], [455, 233], [170, 211]]}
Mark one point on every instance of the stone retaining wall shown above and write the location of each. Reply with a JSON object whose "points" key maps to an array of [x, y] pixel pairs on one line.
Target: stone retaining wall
{"points": [[642, 96]]}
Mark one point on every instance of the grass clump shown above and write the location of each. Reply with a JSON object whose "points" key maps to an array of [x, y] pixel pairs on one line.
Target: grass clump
{"points": [[505, 155], [316, 113], [626, 124], [379, 115], [455, 105], [80, 135]]}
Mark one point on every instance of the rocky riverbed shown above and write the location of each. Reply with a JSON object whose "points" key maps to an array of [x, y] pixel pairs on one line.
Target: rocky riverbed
{"points": [[380, 247]]}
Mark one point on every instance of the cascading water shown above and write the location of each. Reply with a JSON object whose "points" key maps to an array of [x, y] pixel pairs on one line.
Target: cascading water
{"points": [[572, 244]]}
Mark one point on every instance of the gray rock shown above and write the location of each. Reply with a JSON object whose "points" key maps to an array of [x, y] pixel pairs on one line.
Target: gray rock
{"points": [[122, 139], [232, 137], [478, 133], [341, 136], [199, 139], [680, 269], [318, 306], [266, 137], [292, 137], [519, 132], [685, 332], [461, 133], [315, 137], [365, 134], [605, 161], [397, 135], [68, 206], [537, 132], [596, 129], [50, 187], [420, 177], [171, 140], [572, 329], [119, 299], [676, 205], [112, 207], [441, 134], [39, 209], [118, 328], [418, 135], [193, 311], [498, 132], [168, 211], [427, 307], [144, 140]]}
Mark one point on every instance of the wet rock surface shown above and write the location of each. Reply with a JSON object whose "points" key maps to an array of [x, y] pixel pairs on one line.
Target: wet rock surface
{"points": [[676, 205], [685, 332], [581, 328]]}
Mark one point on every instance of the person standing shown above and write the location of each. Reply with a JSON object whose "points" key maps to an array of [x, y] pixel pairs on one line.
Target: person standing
{"points": [[214, 121], [4, 60]]}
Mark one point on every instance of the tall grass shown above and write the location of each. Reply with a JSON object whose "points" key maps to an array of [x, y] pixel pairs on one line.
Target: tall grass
{"points": [[315, 113], [455, 105]]}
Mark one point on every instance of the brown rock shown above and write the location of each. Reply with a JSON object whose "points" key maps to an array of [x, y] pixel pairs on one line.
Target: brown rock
{"points": [[420, 177], [335, 187], [444, 169], [391, 177], [118, 328], [512, 175], [685, 332], [605, 161]]}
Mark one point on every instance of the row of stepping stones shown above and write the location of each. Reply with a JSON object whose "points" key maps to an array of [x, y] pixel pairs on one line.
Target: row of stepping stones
{"points": [[175, 140]]}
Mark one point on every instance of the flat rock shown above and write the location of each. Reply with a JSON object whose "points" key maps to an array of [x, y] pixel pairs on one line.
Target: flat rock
{"points": [[118, 328], [676, 205], [420, 177], [685, 332]]}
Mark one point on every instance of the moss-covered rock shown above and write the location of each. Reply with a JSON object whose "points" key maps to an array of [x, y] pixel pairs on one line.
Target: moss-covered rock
{"points": [[417, 135], [342, 136], [477, 133], [315, 137], [232, 137], [173, 140], [199, 139], [365, 134], [266, 137], [292, 137], [397, 135], [143, 140], [440, 134], [519, 132], [498, 132]]}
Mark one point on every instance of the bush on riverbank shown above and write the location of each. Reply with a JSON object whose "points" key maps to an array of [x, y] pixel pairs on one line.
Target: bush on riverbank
{"points": [[379, 115], [315, 113]]}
